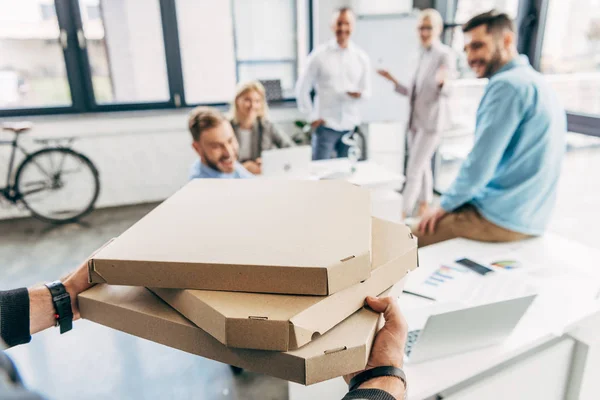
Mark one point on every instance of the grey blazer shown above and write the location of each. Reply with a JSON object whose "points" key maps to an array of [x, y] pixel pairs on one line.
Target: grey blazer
{"points": [[429, 106], [265, 136]]}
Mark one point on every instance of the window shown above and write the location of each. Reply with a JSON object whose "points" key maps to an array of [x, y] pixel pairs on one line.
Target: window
{"points": [[126, 51], [223, 43], [207, 50], [266, 51], [48, 11], [100, 55], [93, 12], [571, 53], [465, 9], [32, 66]]}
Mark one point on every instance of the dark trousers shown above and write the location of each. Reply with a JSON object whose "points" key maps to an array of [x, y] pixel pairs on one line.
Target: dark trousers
{"points": [[325, 141]]}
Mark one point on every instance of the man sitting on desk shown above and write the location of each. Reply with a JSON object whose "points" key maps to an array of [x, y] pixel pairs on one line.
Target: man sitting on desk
{"points": [[506, 188], [340, 73], [215, 143]]}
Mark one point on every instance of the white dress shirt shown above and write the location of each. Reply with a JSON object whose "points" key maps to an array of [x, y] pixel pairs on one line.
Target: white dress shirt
{"points": [[333, 72]]}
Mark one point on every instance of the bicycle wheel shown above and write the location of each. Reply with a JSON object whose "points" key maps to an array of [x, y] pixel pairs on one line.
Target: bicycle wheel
{"points": [[58, 185]]}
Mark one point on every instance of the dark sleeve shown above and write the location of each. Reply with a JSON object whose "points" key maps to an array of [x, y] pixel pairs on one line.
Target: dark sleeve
{"points": [[369, 394], [11, 387], [14, 317]]}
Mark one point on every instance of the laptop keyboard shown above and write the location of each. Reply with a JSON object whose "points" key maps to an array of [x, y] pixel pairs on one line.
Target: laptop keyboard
{"points": [[411, 340]]}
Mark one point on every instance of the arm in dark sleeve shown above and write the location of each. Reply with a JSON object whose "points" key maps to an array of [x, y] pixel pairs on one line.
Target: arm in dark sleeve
{"points": [[14, 317], [11, 387], [368, 394]]}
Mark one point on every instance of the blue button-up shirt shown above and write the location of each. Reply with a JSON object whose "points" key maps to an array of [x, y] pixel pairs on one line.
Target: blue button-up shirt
{"points": [[201, 171], [511, 175]]}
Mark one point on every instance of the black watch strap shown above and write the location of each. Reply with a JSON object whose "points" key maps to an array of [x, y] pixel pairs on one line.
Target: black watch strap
{"points": [[376, 373], [62, 305]]}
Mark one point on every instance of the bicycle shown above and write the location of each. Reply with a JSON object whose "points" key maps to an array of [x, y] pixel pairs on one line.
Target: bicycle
{"points": [[55, 183]]}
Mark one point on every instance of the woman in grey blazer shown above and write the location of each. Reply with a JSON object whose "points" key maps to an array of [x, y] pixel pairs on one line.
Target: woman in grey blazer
{"points": [[252, 127], [428, 95]]}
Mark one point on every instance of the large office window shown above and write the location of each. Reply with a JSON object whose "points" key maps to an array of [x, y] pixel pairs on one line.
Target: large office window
{"points": [[226, 42], [571, 53], [207, 50], [32, 66], [97, 55], [125, 49], [266, 41]]}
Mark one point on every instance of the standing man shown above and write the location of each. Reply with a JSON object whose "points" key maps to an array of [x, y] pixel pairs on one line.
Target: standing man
{"points": [[506, 188], [428, 94], [340, 73]]}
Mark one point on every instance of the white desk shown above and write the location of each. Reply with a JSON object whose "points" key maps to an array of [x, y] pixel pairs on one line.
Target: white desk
{"points": [[538, 357], [367, 174], [386, 202]]}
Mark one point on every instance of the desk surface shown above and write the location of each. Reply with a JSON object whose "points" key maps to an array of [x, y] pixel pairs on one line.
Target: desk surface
{"points": [[367, 174], [549, 316], [547, 319]]}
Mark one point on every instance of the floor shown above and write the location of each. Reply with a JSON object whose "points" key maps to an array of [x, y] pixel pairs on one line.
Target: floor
{"points": [[91, 361], [88, 363]]}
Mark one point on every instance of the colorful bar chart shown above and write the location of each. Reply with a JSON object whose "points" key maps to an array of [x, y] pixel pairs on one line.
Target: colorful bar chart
{"points": [[444, 274], [507, 264]]}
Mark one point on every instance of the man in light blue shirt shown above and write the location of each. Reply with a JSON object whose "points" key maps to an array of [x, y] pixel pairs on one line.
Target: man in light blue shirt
{"points": [[506, 188], [217, 146]]}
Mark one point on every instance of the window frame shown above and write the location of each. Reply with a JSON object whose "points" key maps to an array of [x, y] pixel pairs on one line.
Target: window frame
{"points": [[531, 23], [79, 75]]}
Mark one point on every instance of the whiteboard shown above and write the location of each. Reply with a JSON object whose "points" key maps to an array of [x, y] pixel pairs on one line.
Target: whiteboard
{"points": [[391, 43]]}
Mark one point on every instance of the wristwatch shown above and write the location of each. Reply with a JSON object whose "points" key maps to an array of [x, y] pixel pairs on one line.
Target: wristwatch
{"points": [[376, 373], [62, 306]]}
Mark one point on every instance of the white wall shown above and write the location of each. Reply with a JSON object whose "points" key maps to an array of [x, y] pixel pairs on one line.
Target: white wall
{"points": [[141, 156], [323, 11]]}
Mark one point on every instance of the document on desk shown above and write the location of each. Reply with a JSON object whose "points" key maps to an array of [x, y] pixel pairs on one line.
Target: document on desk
{"points": [[566, 291], [453, 282]]}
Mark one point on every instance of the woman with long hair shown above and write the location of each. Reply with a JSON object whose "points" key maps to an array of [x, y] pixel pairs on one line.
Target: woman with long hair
{"points": [[254, 131]]}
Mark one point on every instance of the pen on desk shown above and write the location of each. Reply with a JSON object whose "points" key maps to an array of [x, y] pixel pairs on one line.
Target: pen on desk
{"points": [[418, 295]]}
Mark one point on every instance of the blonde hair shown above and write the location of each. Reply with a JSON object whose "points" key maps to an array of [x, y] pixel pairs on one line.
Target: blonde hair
{"points": [[434, 16], [244, 88], [202, 119]]}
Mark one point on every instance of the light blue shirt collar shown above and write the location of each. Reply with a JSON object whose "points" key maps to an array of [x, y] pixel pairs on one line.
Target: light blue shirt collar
{"points": [[519, 61], [202, 171]]}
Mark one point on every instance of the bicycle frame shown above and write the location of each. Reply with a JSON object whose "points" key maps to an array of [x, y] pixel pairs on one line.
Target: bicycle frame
{"points": [[7, 189]]}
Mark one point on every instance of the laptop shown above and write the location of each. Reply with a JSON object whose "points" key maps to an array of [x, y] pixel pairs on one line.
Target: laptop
{"points": [[446, 329], [291, 162]]}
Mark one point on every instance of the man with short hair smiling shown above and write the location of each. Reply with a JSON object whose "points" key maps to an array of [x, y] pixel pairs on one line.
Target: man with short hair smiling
{"points": [[216, 144], [506, 188], [339, 71]]}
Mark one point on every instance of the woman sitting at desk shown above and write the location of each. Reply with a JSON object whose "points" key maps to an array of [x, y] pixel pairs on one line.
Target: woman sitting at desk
{"points": [[252, 128]]}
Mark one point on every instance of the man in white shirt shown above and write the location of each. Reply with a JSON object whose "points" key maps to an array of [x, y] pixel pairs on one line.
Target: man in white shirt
{"points": [[339, 72]]}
